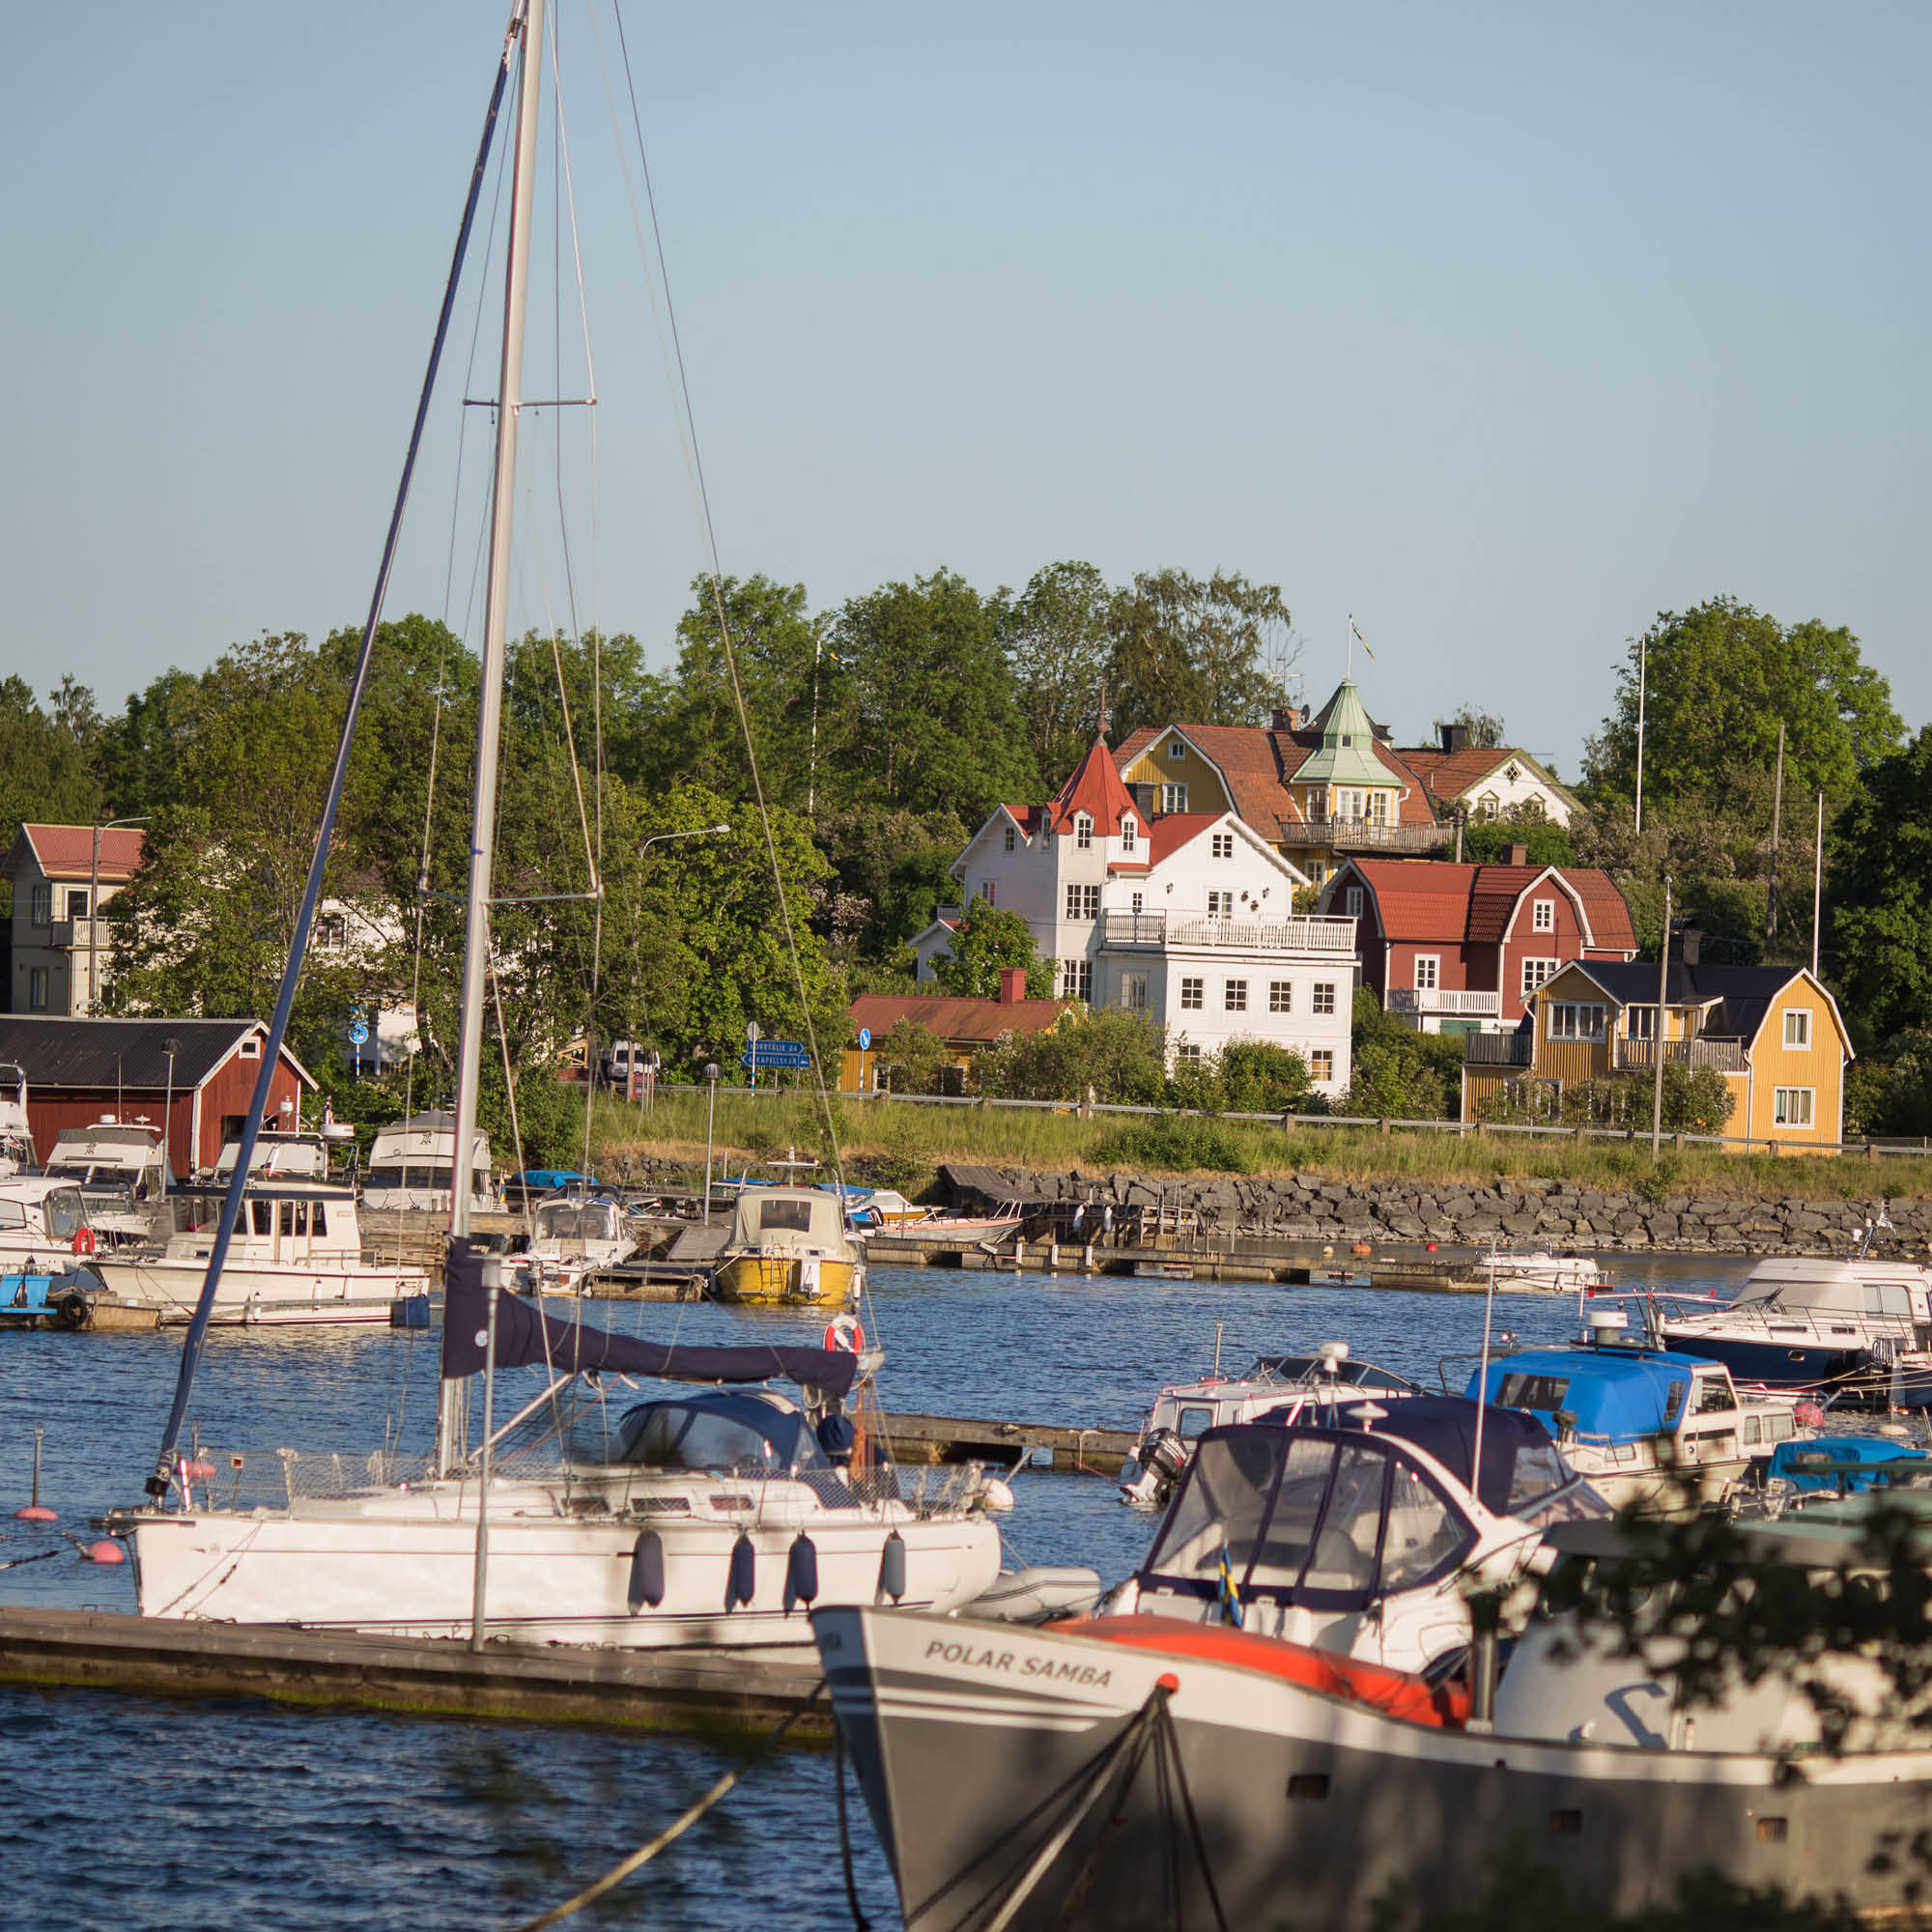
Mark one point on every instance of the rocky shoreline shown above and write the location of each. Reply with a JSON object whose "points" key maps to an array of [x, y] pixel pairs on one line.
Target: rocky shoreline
{"points": [[1311, 1207]]}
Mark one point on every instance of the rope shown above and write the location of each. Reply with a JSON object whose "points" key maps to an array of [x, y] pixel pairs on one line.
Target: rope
{"points": [[858, 1919], [673, 1831]]}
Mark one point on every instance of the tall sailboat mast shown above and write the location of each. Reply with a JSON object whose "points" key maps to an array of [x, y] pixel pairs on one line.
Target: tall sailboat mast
{"points": [[489, 702]]}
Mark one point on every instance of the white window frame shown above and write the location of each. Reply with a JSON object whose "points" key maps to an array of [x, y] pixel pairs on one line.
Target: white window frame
{"points": [[42, 903], [1083, 903], [1428, 972], [1640, 1022], [1220, 905], [1222, 846], [1352, 902], [1321, 1062], [1175, 749], [1234, 996], [77, 903], [989, 890], [1174, 798], [252, 1048], [1798, 1037], [1012, 837], [1133, 992], [1129, 831], [1379, 808], [1193, 992], [1187, 1051], [1083, 832], [1543, 916], [1076, 979], [1794, 1107], [1322, 999], [1538, 972], [1280, 996], [1574, 1019], [1139, 901], [1349, 803]]}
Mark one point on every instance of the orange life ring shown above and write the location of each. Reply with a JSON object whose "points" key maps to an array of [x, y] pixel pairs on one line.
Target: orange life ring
{"points": [[83, 1240], [844, 1331]]}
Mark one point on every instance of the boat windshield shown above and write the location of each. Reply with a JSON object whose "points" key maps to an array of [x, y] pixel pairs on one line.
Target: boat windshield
{"points": [[576, 1221], [1839, 1294], [64, 1213], [719, 1432], [1312, 1368], [1306, 1515]]}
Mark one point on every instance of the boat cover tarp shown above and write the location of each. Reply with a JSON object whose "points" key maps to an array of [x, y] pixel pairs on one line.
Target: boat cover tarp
{"points": [[1808, 1464], [526, 1335], [1621, 1395], [1445, 1427]]}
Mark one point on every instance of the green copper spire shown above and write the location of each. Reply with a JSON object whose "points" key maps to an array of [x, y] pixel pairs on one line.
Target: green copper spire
{"points": [[1348, 751]]}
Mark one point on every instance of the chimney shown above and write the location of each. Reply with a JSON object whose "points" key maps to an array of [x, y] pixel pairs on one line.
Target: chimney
{"points": [[1455, 737], [1691, 943], [1518, 855], [1284, 718], [1012, 985]]}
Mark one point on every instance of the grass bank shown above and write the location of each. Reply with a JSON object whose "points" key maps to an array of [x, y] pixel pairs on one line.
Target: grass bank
{"points": [[900, 1145]]}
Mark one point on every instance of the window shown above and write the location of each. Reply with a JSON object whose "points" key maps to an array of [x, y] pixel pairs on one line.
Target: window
{"points": [[1791, 1107], [1083, 831], [1348, 804], [1280, 996], [1544, 917], [1175, 749], [1352, 902], [1174, 798], [37, 990], [1076, 979], [989, 890], [1318, 805], [1321, 1065], [1013, 838], [1379, 808], [1640, 1022], [1083, 902], [42, 913], [1798, 1026], [1323, 1001], [1224, 844], [252, 1048], [1428, 972], [1235, 996], [1193, 994], [331, 931], [1534, 973], [1488, 805], [1187, 1053], [1571, 1020], [1140, 901], [77, 903], [1133, 992], [1514, 774], [1130, 830], [1220, 905]]}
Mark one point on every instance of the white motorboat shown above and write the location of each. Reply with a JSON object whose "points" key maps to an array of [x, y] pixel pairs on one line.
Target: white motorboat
{"points": [[573, 1236], [1539, 1269], [707, 1516], [122, 1173], [1810, 1325], [1289, 1385], [42, 1223], [411, 1165], [296, 1256], [17, 1135]]}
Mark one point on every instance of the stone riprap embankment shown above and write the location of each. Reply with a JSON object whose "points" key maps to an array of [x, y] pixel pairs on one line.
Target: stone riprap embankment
{"points": [[1309, 1206]]}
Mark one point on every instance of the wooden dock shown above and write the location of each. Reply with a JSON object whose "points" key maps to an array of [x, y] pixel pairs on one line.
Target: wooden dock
{"points": [[708, 1692], [954, 1439]]}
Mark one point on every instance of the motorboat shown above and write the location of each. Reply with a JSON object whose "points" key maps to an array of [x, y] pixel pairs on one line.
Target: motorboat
{"points": [[574, 1235], [1099, 1773], [1542, 1270], [1643, 1425], [411, 1165], [123, 1176], [1830, 1326], [43, 1221], [16, 1133], [1291, 1385], [787, 1244], [295, 1257], [1356, 1526], [710, 1515]]}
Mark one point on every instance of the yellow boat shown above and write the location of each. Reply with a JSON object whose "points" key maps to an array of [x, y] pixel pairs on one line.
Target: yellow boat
{"points": [[786, 1244]]}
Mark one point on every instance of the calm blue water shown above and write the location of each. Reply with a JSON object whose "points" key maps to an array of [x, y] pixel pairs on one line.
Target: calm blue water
{"points": [[120, 1811]]}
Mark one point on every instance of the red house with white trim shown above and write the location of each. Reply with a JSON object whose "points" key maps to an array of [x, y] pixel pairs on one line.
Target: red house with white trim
{"points": [[1461, 949]]}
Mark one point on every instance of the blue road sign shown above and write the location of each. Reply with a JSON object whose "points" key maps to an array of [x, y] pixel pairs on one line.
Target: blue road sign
{"points": [[788, 1053], [358, 1035], [865, 1039]]}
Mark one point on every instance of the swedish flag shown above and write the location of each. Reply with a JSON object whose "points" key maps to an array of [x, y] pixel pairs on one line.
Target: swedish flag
{"points": [[1228, 1594]]}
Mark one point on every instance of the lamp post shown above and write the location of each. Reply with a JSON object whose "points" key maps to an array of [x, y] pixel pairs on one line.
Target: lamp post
{"points": [[170, 1046], [93, 909], [710, 1115]]}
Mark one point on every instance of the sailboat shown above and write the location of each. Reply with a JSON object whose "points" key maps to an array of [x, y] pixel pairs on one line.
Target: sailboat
{"points": [[715, 1516]]}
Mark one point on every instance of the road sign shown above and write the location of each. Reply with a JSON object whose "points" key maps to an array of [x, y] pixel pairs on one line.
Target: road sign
{"points": [[358, 1035], [865, 1039], [752, 1032], [788, 1053]]}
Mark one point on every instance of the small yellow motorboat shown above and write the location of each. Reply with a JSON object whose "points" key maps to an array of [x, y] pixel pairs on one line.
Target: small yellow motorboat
{"points": [[786, 1244]]}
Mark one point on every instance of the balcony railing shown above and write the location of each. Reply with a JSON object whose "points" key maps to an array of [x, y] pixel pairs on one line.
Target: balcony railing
{"points": [[1458, 1001], [1349, 834], [1640, 1056], [68, 935], [1497, 1049], [1157, 931]]}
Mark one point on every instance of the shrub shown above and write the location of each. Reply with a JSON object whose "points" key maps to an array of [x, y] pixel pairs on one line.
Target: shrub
{"points": [[1258, 1077], [1174, 1141], [1118, 1054]]}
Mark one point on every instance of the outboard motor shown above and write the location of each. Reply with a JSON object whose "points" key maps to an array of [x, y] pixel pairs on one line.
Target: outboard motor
{"points": [[1162, 1458]]}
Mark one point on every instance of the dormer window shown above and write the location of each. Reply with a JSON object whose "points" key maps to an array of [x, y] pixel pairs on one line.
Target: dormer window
{"points": [[1083, 831], [1348, 739], [1128, 833]]}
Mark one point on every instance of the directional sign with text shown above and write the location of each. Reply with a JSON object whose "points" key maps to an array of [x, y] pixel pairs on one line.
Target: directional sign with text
{"points": [[788, 1053]]}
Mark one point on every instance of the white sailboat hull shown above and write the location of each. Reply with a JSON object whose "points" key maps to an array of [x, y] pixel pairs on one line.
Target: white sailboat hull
{"points": [[403, 1562], [254, 1294]]}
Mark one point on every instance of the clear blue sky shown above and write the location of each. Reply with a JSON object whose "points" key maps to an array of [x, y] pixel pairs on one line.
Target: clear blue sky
{"points": [[1501, 327]]}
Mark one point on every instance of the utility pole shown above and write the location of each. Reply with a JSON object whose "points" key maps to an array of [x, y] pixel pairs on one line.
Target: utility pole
{"points": [[1817, 882], [1656, 1041], [1777, 826], [1642, 667]]}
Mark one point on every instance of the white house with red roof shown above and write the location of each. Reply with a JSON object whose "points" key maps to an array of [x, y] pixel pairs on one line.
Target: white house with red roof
{"points": [[1486, 781], [1186, 916], [1462, 948], [63, 875]]}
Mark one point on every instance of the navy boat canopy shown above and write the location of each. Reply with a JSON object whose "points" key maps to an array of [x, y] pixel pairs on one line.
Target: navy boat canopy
{"points": [[1521, 1464], [526, 1335]]}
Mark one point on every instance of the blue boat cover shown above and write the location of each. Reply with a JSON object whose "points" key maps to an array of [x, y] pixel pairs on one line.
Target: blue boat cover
{"points": [[1788, 1461], [1620, 1395], [526, 1335]]}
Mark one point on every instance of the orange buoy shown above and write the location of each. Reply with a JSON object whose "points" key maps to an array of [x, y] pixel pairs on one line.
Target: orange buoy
{"points": [[107, 1551]]}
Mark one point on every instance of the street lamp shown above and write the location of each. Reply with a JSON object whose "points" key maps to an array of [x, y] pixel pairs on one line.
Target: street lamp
{"points": [[711, 1070], [93, 909]]}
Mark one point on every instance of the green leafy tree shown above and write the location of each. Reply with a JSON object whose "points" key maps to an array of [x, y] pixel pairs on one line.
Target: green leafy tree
{"points": [[987, 942], [1398, 1073], [1058, 633], [1879, 922], [1486, 730], [1543, 844], [47, 773], [1259, 1077], [912, 1059], [1194, 651], [895, 870], [1116, 1054], [1720, 678]]}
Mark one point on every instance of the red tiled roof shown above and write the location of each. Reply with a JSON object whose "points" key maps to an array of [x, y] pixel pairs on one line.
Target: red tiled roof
{"points": [[1173, 830], [950, 1015], [1492, 899], [1436, 899], [1450, 773], [66, 851], [1609, 914], [1095, 788]]}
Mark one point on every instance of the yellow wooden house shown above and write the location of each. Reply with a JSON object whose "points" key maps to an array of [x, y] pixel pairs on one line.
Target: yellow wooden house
{"points": [[1772, 1031]]}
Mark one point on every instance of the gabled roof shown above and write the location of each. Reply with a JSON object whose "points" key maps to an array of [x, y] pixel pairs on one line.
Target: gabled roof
{"points": [[96, 1054], [1435, 901], [951, 1015], [66, 852], [1449, 775], [1736, 997]]}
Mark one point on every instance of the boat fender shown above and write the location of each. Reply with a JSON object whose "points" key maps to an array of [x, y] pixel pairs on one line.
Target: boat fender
{"points": [[996, 1497], [843, 1332], [106, 1551], [648, 1572], [740, 1579], [891, 1569], [72, 1309], [801, 1572], [83, 1240]]}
